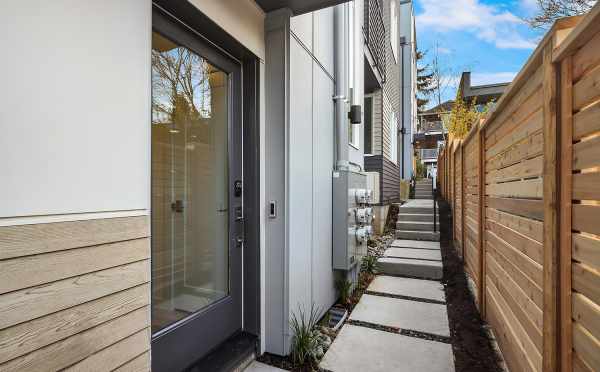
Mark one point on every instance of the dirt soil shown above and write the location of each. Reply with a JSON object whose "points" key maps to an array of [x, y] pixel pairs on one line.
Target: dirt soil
{"points": [[473, 351]]}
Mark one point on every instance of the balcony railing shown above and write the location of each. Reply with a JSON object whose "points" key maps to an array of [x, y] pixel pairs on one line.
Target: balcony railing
{"points": [[429, 154], [374, 30]]}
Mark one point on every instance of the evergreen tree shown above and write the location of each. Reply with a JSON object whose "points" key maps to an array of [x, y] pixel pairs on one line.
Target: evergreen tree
{"points": [[425, 82]]}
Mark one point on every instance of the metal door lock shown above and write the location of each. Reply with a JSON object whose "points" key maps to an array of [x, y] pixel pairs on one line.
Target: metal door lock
{"points": [[177, 206], [239, 214], [237, 188]]}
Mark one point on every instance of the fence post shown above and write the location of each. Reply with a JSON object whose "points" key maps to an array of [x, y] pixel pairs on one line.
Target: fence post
{"points": [[565, 129], [481, 240], [551, 245]]}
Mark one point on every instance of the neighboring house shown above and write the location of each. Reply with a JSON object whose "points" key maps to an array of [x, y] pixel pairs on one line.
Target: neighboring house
{"points": [[384, 151], [480, 95], [169, 173], [430, 135]]}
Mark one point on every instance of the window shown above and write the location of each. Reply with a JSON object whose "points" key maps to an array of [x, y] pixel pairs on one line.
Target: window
{"points": [[394, 135], [368, 125], [394, 29]]}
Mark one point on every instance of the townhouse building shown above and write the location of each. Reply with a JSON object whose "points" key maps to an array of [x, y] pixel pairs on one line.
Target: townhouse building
{"points": [[177, 175]]}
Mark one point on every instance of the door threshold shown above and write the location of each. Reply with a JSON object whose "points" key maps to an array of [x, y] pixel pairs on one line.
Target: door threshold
{"points": [[234, 354]]}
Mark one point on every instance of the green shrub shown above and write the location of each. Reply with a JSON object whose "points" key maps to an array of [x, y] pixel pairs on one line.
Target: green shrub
{"points": [[369, 264], [305, 341], [344, 287]]}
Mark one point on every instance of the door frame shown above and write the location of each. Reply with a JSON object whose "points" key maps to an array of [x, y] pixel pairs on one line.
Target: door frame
{"points": [[190, 26]]}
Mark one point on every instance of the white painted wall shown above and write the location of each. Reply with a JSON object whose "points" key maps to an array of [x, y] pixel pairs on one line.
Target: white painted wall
{"points": [[311, 152], [408, 82], [242, 19], [357, 78], [75, 109]]}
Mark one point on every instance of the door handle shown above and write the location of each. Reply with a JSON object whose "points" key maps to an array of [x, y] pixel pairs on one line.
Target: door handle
{"points": [[177, 206], [239, 214]]}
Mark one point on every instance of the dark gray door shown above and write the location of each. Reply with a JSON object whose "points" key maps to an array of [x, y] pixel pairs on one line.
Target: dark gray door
{"points": [[196, 196]]}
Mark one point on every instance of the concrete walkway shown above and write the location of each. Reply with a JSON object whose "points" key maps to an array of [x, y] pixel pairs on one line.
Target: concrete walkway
{"points": [[401, 322]]}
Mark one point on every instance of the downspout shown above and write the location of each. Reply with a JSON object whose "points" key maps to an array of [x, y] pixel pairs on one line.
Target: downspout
{"points": [[341, 87], [402, 101]]}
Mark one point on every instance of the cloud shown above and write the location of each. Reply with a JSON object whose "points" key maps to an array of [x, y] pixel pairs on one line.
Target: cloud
{"points": [[442, 50], [486, 22], [485, 78]]}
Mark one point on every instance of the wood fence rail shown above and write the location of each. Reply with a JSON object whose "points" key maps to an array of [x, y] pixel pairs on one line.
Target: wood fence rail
{"points": [[524, 189]]}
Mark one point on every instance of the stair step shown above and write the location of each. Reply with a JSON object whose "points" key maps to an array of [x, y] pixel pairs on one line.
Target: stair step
{"points": [[424, 197], [416, 210], [418, 235], [427, 217], [409, 267], [415, 225]]}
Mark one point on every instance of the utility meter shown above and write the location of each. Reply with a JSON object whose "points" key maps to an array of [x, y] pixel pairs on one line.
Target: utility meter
{"points": [[361, 235], [364, 215], [363, 196]]}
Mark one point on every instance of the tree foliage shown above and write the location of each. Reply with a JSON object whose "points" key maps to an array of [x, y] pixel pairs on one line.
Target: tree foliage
{"points": [[463, 115], [425, 82], [551, 10]]}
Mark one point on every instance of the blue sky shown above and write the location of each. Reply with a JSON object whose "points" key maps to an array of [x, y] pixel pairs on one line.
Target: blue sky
{"points": [[486, 37]]}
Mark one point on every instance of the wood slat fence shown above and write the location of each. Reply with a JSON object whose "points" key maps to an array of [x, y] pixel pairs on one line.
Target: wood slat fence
{"points": [[524, 189]]}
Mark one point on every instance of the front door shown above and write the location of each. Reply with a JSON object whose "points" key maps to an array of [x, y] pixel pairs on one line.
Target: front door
{"points": [[196, 197]]}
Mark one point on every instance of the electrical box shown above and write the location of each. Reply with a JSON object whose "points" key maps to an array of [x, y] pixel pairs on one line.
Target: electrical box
{"points": [[352, 218]]}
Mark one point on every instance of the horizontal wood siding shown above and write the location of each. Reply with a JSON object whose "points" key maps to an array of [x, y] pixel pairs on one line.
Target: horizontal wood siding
{"points": [[514, 258], [526, 198], [458, 207], [389, 175], [471, 207], [580, 199], [75, 295]]}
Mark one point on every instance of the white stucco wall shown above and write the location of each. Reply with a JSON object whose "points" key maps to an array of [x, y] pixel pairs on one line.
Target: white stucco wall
{"points": [[75, 109]]}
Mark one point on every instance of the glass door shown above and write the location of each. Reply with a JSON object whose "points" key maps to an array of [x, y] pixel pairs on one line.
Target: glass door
{"points": [[196, 198]]}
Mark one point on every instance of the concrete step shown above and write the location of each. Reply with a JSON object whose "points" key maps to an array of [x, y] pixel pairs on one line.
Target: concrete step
{"points": [[424, 197], [410, 267], [418, 235], [414, 253], [428, 194], [416, 210], [415, 225], [427, 217], [415, 244]]}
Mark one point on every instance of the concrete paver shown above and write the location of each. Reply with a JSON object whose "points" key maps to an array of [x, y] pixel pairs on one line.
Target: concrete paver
{"points": [[423, 254], [415, 244], [405, 314], [261, 367], [427, 289], [361, 349]]}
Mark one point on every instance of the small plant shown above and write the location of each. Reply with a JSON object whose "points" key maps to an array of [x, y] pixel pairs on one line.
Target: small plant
{"points": [[344, 287], [305, 342], [369, 264]]}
